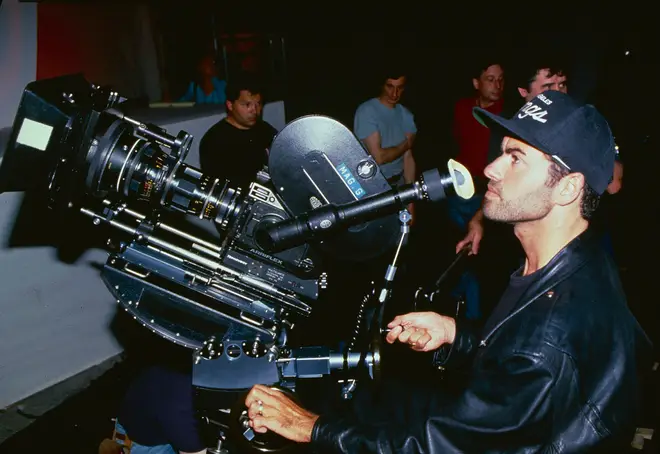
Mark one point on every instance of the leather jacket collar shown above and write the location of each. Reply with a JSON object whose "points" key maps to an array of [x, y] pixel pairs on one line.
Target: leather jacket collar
{"points": [[567, 261]]}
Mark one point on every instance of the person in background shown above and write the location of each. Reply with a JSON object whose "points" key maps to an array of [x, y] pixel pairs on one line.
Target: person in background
{"points": [[533, 75], [472, 138], [387, 128], [604, 221], [472, 141], [236, 147], [206, 87], [530, 75]]}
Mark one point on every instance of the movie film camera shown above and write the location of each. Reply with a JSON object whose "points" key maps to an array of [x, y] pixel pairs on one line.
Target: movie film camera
{"points": [[233, 302]]}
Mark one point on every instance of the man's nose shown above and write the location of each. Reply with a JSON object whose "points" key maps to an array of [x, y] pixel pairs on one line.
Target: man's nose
{"points": [[492, 171]]}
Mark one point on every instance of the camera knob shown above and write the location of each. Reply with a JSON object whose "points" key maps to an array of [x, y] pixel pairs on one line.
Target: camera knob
{"points": [[323, 281], [254, 349]]}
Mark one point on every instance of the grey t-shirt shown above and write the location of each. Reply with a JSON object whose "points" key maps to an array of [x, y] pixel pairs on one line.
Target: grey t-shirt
{"points": [[392, 123]]}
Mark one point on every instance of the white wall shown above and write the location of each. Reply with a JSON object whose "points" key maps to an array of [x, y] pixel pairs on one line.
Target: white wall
{"points": [[54, 317], [18, 54]]}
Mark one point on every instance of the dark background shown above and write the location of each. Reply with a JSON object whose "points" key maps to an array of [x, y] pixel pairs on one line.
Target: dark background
{"points": [[331, 53]]}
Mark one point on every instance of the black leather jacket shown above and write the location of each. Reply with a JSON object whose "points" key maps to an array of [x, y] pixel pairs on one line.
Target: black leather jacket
{"points": [[558, 375]]}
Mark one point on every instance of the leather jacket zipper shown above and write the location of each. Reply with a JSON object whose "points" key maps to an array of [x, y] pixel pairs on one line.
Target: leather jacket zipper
{"points": [[548, 292]]}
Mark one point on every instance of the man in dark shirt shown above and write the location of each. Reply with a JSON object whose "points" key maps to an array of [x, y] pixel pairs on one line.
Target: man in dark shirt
{"points": [[558, 367], [236, 147]]}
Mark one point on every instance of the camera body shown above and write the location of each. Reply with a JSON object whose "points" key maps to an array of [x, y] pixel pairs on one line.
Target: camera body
{"points": [[232, 303], [297, 268]]}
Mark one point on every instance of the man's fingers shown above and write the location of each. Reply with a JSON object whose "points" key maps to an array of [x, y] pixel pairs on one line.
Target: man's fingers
{"points": [[403, 320], [258, 409], [263, 394], [256, 394], [475, 246], [261, 424], [414, 337], [405, 335], [461, 244], [418, 339], [252, 396], [422, 342], [393, 334], [396, 321]]}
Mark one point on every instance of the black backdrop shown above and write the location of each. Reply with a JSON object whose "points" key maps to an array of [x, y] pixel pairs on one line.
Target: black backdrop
{"points": [[331, 54]]}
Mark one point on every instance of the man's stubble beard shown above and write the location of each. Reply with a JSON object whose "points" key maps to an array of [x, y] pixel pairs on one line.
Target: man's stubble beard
{"points": [[532, 206]]}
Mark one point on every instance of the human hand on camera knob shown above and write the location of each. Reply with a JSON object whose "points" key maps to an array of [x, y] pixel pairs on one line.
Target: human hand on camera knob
{"points": [[271, 410], [423, 331]]}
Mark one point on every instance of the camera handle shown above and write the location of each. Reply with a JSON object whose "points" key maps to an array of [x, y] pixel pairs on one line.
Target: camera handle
{"points": [[386, 291], [375, 328]]}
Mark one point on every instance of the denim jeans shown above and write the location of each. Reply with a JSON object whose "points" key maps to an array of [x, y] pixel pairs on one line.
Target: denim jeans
{"points": [[137, 448], [460, 212]]}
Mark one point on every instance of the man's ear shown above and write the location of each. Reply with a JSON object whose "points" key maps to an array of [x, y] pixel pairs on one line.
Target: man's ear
{"points": [[228, 105], [569, 188], [475, 84], [524, 93]]}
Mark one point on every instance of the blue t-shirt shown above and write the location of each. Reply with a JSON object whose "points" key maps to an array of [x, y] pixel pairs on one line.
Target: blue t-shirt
{"points": [[392, 123], [198, 96]]}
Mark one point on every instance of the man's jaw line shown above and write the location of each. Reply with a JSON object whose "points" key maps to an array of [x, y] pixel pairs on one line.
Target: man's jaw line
{"points": [[543, 238], [386, 102]]}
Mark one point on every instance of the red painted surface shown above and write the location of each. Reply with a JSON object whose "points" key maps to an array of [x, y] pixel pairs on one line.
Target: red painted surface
{"points": [[59, 47], [245, 46], [75, 38]]}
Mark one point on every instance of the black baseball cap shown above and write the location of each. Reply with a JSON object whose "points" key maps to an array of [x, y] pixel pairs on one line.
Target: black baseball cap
{"points": [[574, 135]]}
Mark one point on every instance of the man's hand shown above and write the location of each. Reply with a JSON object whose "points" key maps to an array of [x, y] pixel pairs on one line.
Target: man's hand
{"points": [[474, 234], [385, 155], [272, 410], [423, 331]]}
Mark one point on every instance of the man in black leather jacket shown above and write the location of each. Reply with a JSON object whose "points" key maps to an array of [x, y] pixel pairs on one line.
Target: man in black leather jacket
{"points": [[556, 368]]}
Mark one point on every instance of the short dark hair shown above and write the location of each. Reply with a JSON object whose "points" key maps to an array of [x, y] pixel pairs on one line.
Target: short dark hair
{"points": [[483, 62], [590, 198], [242, 82], [392, 68], [526, 69]]}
